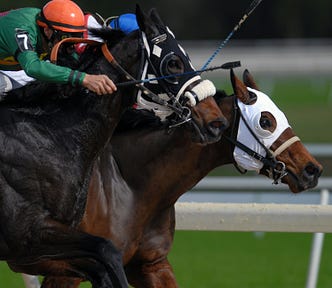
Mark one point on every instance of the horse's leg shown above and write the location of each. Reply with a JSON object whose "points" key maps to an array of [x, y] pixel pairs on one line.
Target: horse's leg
{"points": [[154, 275], [33, 237], [71, 268], [61, 282], [67, 252], [4, 250], [151, 269]]}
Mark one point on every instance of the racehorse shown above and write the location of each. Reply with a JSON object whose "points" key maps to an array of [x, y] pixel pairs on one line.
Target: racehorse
{"points": [[49, 142], [134, 187]]}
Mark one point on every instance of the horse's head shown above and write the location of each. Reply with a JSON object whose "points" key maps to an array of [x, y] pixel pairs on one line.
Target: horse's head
{"points": [[182, 91], [267, 142]]}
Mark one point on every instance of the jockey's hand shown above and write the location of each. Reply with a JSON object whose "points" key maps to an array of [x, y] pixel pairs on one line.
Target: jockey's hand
{"points": [[99, 84]]}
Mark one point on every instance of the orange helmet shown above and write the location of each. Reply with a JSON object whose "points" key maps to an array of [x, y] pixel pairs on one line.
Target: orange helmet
{"points": [[62, 15]]}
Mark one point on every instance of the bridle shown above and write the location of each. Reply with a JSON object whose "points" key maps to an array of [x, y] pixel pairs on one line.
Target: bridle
{"points": [[183, 113], [276, 169]]}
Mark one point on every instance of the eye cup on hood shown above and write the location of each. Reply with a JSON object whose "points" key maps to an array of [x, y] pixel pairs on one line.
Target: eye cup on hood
{"points": [[263, 133], [169, 65]]}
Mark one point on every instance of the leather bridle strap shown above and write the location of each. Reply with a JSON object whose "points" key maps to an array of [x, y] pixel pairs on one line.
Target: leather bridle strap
{"points": [[107, 54], [285, 145], [110, 58]]}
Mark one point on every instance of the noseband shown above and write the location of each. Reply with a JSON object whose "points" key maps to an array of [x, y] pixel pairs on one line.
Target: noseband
{"points": [[275, 169], [177, 92]]}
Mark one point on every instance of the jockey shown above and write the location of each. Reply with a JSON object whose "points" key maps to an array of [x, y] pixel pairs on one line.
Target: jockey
{"points": [[27, 34]]}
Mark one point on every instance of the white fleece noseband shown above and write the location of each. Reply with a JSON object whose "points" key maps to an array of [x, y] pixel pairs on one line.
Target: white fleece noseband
{"points": [[201, 91]]}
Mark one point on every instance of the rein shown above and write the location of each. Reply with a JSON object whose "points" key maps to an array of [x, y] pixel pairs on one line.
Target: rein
{"points": [[254, 4], [276, 169], [183, 112], [225, 66]]}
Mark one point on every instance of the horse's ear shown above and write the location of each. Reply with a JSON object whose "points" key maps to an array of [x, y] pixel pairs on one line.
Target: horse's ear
{"points": [[156, 18], [145, 23], [240, 90], [140, 16], [249, 80]]}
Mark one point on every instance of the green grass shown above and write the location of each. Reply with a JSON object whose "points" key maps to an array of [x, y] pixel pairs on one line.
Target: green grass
{"points": [[211, 259], [224, 259], [9, 279], [232, 260]]}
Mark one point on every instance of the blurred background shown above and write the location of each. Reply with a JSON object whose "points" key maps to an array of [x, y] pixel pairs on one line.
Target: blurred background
{"points": [[287, 46], [213, 19]]}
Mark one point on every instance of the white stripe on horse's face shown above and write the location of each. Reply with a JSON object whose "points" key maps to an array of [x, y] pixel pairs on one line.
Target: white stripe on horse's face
{"points": [[252, 115]]}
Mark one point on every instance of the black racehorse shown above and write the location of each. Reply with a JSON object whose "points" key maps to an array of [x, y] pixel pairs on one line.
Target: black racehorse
{"points": [[50, 137]]}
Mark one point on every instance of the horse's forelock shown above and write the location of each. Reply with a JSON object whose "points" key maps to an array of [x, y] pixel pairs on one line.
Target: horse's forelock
{"points": [[220, 94]]}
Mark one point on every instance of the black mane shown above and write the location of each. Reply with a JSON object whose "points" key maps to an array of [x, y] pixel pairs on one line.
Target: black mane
{"points": [[220, 94], [133, 119]]}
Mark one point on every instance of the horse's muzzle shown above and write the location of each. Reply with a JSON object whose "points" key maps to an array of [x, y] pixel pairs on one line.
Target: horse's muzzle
{"points": [[306, 180], [209, 133], [217, 127]]}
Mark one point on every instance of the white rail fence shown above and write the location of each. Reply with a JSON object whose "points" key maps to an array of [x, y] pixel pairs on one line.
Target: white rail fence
{"points": [[254, 217], [262, 217]]}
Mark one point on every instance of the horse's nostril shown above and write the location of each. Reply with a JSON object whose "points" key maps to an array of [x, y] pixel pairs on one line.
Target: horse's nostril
{"points": [[215, 124], [312, 170], [218, 124], [216, 127]]}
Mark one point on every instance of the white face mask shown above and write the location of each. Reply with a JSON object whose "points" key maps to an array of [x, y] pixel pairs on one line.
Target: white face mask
{"points": [[252, 114]]}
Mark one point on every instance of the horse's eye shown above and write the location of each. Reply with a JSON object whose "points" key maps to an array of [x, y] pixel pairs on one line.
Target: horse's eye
{"points": [[265, 122], [171, 64], [175, 65]]}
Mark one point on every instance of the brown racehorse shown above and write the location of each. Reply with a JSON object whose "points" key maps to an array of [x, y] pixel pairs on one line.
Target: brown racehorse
{"points": [[49, 144], [140, 176]]}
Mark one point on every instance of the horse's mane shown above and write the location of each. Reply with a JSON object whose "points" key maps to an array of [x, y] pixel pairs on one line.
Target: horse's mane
{"points": [[220, 94], [38, 95], [133, 119], [136, 119]]}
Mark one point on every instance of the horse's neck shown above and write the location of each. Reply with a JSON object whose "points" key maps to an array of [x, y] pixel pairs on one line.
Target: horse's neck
{"points": [[109, 109], [152, 165], [160, 166], [164, 166]]}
